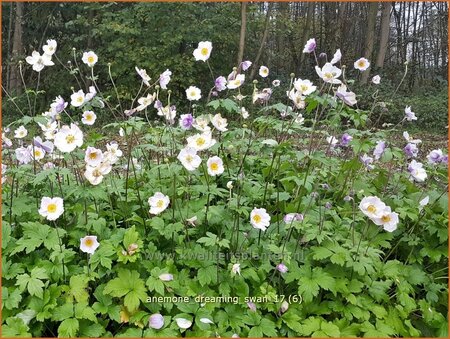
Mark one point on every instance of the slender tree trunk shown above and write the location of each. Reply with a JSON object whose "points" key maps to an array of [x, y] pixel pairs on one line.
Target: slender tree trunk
{"points": [[370, 37], [384, 34], [17, 49], [242, 34], [307, 29], [8, 55], [263, 41]]}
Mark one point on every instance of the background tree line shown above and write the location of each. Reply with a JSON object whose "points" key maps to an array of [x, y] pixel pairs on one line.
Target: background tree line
{"points": [[157, 36]]}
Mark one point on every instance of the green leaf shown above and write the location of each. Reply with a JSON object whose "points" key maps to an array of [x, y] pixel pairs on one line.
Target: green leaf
{"points": [[128, 282], [78, 288], [63, 312], [68, 328], [12, 299]]}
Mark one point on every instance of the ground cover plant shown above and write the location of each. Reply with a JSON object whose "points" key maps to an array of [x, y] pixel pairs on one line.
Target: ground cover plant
{"points": [[241, 216]]}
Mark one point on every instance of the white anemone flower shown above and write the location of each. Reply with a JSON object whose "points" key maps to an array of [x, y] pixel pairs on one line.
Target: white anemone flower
{"points": [[236, 269], [95, 174], [144, 102], [259, 218], [89, 58], [189, 158], [336, 57], [78, 99], [219, 123], [201, 122], [143, 74], [68, 138], [376, 79], [329, 73], [201, 142], [93, 156], [183, 323], [158, 203], [372, 207], [236, 82], [51, 208], [305, 87], [193, 93], [388, 220], [50, 48], [39, 61], [263, 71], [203, 51], [362, 64], [215, 166], [89, 244], [20, 132], [88, 118]]}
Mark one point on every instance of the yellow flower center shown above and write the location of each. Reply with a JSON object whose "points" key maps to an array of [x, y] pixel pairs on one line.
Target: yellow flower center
{"points": [[51, 208], [89, 117], [80, 99], [214, 166], [37, 153], [70, 139], [204, 51], [193, 93], [93, 155], [88, 242], [200, 142], [90, 59], [328, 75], [189, 158], [385, 218], [304, 88], [96, 173], [371, 208], [160, 204], [361, 63], [257, 218]]}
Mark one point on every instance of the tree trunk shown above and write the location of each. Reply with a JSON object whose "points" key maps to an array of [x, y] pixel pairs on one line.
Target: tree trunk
{"points": [[8, 54], [309, 18], [370, 37], [242, 34], [17, 50], [384, 34], [263, 41]]}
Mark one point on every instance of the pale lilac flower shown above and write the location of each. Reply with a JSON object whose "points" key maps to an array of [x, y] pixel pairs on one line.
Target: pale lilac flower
{"points": [[23, 155], [58, 105], [91, 94], [348, 198], [348, 97], [276, 83], [282, 268], [290, 217], [329, 73], [417, 171], [336, 57], [263, 71], [164, 79], [310, 46], [435, 156], [47, 146], [410, 115], [245, 65], [411, 150], [186, 121], [367, 161], [284, 307], [143, 74], [220, 83], [345, 139], [332, 141], [251, 306], [156, 321], [328, 205], [166, 277], [379, 149]]}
